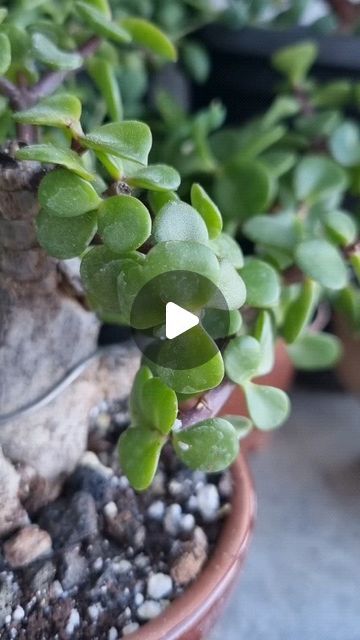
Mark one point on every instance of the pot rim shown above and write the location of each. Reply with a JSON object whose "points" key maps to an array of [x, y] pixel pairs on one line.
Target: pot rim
{"points": [[219, 572]]}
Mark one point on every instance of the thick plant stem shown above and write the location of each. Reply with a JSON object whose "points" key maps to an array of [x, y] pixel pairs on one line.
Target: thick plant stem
{"points": [[208, 406]]}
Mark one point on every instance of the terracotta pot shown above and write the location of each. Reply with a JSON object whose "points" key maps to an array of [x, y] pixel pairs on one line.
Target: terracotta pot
{"points": [[191, 616], [348, 369], [281, 377]]}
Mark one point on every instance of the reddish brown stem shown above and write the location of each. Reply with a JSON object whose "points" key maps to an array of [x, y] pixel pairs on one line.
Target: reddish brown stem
{"points": [[208, 406], [347, 12]]}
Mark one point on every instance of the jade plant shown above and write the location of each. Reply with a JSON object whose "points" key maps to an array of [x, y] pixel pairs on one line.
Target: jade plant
{"points": [[101, 200]]}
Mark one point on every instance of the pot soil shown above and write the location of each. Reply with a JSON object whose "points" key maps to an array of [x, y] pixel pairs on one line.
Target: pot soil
{"points": [[281, 377], [101, 561], [348, 367], [241, 73]]}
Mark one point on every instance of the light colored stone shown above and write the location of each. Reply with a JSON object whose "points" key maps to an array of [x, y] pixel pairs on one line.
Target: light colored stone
{"points": [[110, 510], [73, 622], [18, 614], [27, 545], [156, 510], [208, 501], [130, 628], [159, 585], [172, 519], [187, 522], [12, 514], [190, 559], [149, 609], [113, 634], [123, 566]]}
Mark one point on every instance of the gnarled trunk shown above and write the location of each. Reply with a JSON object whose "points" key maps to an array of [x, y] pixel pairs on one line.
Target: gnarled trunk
{"points": [[45, 330]]}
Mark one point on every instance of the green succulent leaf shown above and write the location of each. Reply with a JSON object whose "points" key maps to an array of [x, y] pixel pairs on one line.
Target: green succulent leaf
{"points": [[208, 210], [101, 24], [220, 323], [178, 221], [340, 227], [231, 288], [345, 144], [130, 140], [299, 311], [242, 425], [244, 189], [242, 358], [278, 162], [268, 407], [62, 110], [183, 256], [264, 333], [159, 405], [295, 61], [226, 248], [314, 351], [158, 199], [3, 14], [103, 74], [48, 153], [65, 194], [49, 54], [280, 231], [143, 375], [261, 282], [5, 53], [124, 223], [139, 451], [317, 177], [211, 445], [65, 238], [156, 177], [101, 5], [148, 35], [321, 261]]}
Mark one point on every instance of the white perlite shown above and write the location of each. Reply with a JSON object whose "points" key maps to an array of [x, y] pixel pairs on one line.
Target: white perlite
{"points": [[73, 622], [130, 628], [172, 519], [123, 566], [187, 522], [208, 501], [113, 634], [159, 585], [110, 510], [18, 614], [156, 510], [149, 609], [94, 611]]}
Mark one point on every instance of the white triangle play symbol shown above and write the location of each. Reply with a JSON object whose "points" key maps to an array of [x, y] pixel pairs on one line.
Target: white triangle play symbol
{"points": [[178, 320]]}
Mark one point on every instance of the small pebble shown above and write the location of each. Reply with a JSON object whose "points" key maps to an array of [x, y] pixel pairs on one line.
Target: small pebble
{"points": [[56, 590], [158, 485], [139, 599], [172, 519], [123, 566], [113, 634], [149, 609], [73, 622], [225, 485], [159, 585], [110, 510], [208, 501], [123, 482], [130, 628], [192, 503], [18, 614], [142, 561], [187, 522], [94, 611], [156, 510], [98, 564], [175, 488]]}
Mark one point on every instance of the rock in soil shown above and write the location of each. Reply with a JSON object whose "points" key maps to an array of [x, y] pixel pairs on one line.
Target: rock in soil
{"points": [[102, 560]]}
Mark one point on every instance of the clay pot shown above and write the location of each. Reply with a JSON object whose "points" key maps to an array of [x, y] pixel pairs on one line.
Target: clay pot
{"points": [[349, 365], [281, 377], [192, 615]]}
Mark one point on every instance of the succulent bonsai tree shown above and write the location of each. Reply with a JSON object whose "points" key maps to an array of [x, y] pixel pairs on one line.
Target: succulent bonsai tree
{"points": [[75, 189]]}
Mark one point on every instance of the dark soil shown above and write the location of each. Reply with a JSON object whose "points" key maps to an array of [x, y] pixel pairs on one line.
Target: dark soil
{"points": [[109, 559]]}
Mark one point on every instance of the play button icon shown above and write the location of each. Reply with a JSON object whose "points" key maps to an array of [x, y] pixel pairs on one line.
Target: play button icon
{"points": [[178, 320]]}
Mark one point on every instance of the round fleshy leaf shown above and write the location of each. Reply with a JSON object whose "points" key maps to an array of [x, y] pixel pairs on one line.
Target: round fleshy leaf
{"points": [[295, 61], [129, 139], [268, 407], [211, 445], [345, 144], [159, 405], [50, 154], [242, 425], [315, 351], [5, 53], [124, 223], [264, 333], [340, 227], [101, 24], [49, 54], [139, 451], [64, 194], [318, 177], [321, 261], [103, 73], [208, 210], [158, 199], [156, 177], [182, 256], [244, 189], [220, 323], [226, 248], [65, 238], [279, 231], [230, 287], [299, 311], [261, 282], [63, 110], [180, 222], [150, 36], [242, 358]]}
